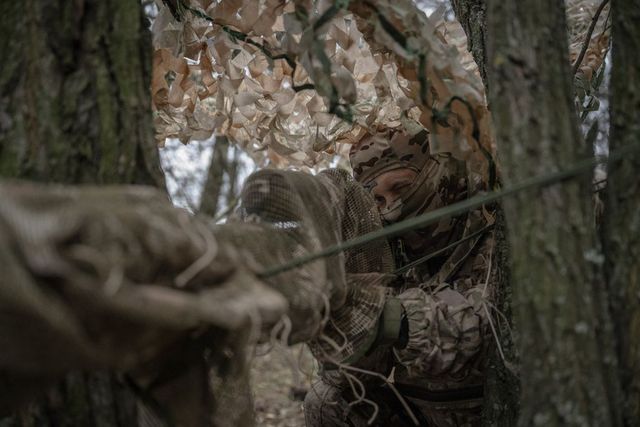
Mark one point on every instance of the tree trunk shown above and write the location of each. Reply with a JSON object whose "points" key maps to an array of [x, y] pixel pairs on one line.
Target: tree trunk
{"points": [[502, 385], [621, 234], [75, 108], [232, 193], [472, 16], [555, 256], [501, 393], [234, 403], [74, 93], [219, 166]]}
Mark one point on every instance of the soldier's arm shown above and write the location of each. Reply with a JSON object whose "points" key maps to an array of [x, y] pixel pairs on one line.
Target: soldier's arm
{"points": [[432, 333], [447, 328]]}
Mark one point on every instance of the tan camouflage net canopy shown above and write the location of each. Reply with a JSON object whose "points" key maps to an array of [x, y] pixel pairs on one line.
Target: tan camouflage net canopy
{"points": [[296, 82], [293, 83]]}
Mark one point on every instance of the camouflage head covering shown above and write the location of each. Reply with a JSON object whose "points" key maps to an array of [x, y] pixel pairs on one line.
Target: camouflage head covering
{"points": [[387, 151], [441, 180]]}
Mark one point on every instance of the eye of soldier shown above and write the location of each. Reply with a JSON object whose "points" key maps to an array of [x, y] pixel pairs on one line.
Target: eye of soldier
{"points": [[391, 185]]}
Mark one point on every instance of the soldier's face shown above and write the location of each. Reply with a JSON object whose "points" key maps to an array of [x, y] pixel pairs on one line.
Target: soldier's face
{"points": [[389, 186]]}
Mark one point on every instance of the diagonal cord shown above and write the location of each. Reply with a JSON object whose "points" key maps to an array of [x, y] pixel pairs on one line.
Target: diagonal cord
{"points": [[427, 257], [587, 41], [399, 228]]}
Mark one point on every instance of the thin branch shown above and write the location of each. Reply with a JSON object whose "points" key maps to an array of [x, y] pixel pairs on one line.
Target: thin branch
{"points": [[443, 250], [395, 34], [235, 34], [587, 41]]}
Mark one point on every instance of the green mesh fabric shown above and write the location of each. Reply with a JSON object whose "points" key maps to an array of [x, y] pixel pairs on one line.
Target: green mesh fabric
{"points": [[285, 214], [117, 278], [109, 277]]}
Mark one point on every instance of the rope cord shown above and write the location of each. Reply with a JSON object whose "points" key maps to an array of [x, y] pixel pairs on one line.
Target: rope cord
{"points": [[399, 228], [427, 257]]}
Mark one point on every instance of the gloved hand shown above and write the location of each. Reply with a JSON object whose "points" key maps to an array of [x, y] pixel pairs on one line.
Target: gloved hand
{"points": [[353, 329], [444, 332]]}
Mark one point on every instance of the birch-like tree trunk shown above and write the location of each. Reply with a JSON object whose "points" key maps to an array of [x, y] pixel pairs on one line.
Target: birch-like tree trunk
{"points": [[621, 231], [219, 167], [75, 108], [565, 339]]}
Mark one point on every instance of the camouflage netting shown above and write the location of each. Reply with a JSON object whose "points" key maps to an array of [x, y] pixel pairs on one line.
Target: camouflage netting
{"points": [[117, 278], [296, 83], [286, 215]]}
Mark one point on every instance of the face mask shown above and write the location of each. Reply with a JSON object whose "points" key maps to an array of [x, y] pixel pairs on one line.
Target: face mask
{"points": [[415, 200], [392, 212], [426, 195]]}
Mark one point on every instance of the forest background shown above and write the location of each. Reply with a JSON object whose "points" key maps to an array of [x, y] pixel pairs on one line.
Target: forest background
{"points": [[74, 96]]}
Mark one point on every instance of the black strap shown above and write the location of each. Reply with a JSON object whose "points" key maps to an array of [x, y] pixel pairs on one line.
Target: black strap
{"points": [[389, 397], [441, 396]]}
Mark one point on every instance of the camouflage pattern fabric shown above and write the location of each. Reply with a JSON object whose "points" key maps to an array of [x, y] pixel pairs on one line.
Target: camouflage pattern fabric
{"points": [[286, 213], [441, 181], [449, 338], [353, 326], [116, 278], [447, 301], [388, 150]]}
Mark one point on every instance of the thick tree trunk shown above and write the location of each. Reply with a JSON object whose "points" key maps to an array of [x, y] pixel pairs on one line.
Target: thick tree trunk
{"points": [[621, 234], [502, 387], [565, 340], [75, 108], [74, 93]]}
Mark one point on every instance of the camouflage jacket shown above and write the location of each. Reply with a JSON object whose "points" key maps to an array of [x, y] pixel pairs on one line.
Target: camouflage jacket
{"points": [[447, 299], [441, 370]]}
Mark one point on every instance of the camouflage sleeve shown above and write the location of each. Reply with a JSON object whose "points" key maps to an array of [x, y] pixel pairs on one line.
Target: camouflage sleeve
{"points": [[446, 330]]}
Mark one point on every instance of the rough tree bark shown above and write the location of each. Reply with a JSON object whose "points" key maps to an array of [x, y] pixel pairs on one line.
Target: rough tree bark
{"points": [[621, 231], [555, 256], [472, 16], [75, 108], [502, 397], [234, 163], [74, 93]]}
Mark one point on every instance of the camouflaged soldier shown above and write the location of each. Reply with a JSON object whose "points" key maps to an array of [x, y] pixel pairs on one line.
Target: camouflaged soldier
{"points": [[433, 332]]}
